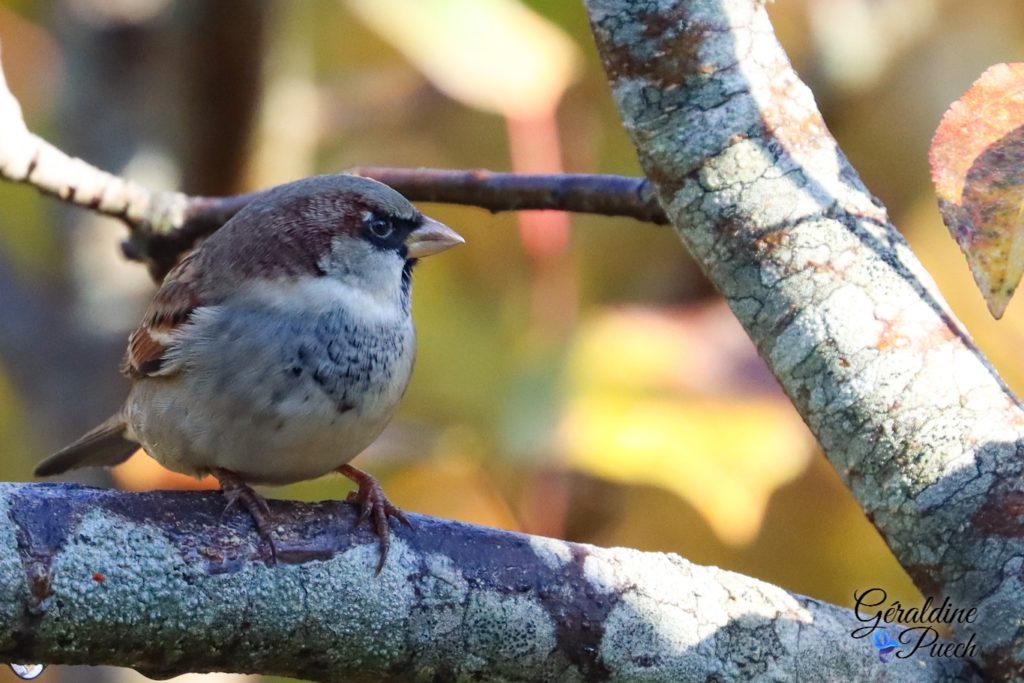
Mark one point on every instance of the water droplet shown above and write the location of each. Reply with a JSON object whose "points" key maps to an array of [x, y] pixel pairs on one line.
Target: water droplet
{"points": [[27, 672]]}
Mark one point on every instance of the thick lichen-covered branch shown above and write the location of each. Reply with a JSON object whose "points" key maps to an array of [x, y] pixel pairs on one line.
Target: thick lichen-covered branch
{"points": [[161, 583], [910, 414]]}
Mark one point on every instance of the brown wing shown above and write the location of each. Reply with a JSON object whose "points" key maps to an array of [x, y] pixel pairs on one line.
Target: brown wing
{"points": [[272, 237], [173, 305]]}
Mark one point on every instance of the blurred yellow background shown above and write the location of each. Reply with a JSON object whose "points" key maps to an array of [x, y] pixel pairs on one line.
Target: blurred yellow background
{"points": [[577, 376]]}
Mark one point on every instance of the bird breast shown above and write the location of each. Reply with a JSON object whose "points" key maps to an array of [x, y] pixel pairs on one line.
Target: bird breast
{"points": [[278, 388]]}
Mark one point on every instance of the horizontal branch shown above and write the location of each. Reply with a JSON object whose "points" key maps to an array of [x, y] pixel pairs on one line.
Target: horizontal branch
{"points": [[160, 244], [607, 195], [160, 583], [163, 225]]}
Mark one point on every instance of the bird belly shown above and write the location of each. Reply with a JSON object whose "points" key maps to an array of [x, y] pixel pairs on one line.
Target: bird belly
{"points": [[275, 398]]}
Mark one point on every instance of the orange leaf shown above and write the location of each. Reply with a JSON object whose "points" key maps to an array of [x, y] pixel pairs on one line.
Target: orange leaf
{"points": [[977, 163]]}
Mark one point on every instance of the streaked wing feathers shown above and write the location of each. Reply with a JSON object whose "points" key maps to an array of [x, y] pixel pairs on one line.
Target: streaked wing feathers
{"points": [[173, 305]]}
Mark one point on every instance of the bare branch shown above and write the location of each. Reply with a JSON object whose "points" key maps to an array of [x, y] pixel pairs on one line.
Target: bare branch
{"points": [[160, 583], [163, 225], [913, 418], [607, 195], [27, 158]]}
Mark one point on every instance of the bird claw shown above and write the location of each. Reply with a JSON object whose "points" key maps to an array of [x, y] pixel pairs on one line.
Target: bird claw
{"points": [[248, 498], [374, 507], [238, 492]]}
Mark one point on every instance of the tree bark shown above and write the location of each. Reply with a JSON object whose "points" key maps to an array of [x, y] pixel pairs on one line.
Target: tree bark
{"points": [[164, 583]]}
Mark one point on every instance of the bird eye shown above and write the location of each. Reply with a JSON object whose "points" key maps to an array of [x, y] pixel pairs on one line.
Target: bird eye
{"points": [[381, 228]]}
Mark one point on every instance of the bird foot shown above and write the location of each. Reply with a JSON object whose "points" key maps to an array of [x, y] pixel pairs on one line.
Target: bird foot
{"points": [[238, 492], [374, 507]]}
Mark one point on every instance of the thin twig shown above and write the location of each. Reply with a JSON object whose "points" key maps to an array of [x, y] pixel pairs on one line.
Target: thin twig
{"points": [[164, 225], [607, 195], [160, 244]]}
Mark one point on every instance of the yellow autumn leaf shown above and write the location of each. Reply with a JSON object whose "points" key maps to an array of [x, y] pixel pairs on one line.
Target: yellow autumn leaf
{"points": [[724, 458], [495, 55], [633, 414]]}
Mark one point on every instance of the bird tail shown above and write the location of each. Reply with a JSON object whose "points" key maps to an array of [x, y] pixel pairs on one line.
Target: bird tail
{"points": [[104, 445]]}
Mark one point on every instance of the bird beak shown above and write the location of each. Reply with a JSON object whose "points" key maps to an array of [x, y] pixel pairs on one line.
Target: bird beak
{"points": [[431, 237]]}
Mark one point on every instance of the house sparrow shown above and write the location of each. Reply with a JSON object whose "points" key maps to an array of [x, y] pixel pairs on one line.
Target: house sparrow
{"points": [[278, 349]]}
